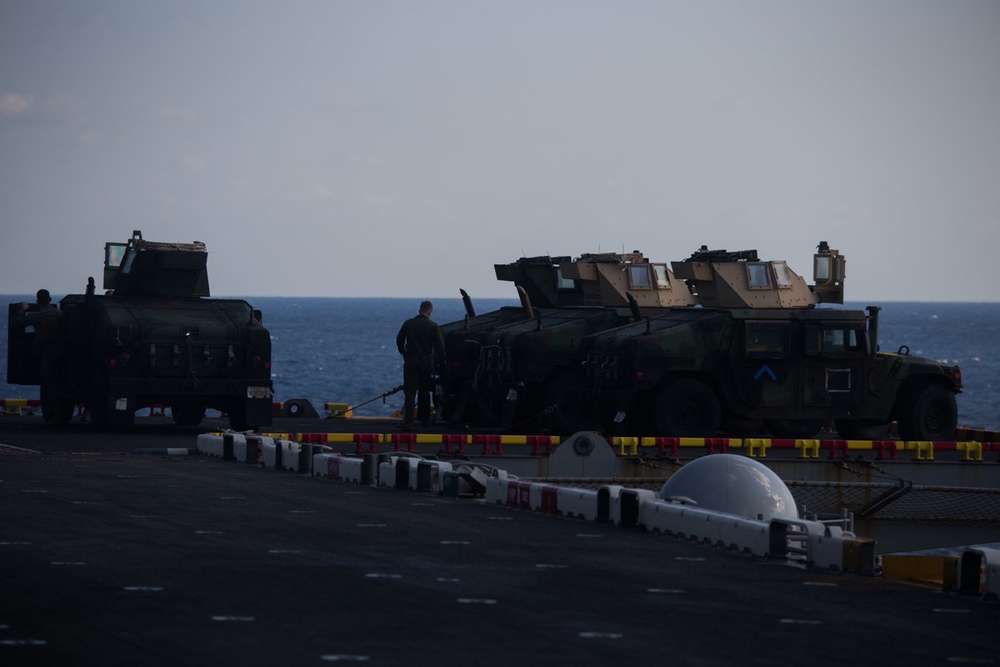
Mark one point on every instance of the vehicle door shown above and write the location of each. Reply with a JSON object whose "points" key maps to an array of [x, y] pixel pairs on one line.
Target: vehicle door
{"points": [[833, 364], [763, 361]]}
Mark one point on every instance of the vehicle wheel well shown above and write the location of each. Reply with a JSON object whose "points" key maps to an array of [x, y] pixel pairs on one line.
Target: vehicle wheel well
{"points": [[687, 406], [911, 388], [926, 410]]}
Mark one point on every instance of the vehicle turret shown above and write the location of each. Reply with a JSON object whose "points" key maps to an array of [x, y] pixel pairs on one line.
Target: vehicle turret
{"points": [[542, 281], [722, 279], [152, 268], [596, 279]]}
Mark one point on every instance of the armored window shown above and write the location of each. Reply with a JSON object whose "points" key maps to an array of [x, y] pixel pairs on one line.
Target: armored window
{"points": [[114, 252], [831, 341], [662, 277], [563, 282], [766, 339], [781, 274], [821, 268], [759, 276], [638, 276]]}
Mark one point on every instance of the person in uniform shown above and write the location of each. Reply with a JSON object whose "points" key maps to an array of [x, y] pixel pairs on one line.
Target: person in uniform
{"points": [[420, 342]]}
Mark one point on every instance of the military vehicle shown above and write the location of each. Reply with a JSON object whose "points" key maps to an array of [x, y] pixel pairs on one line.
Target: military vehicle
{"points": [[153, 339], [505, 366], [758, 356]]}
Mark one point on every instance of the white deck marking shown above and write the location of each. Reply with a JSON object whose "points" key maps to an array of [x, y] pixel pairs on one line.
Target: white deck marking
{"points": [[23, 642], [484, 601], [234, 619], [20, 449], [143, 589], [601, 635], [343, 657]]}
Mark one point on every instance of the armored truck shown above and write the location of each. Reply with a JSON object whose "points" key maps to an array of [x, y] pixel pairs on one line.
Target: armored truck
{"points": [[154, 338], [758, 356]]}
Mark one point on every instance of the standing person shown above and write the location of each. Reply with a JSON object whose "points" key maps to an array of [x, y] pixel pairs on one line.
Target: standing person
{"points": [[419, 341]]}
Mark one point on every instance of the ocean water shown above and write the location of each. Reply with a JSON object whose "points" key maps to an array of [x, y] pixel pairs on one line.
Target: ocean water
{"points": [[343, 350]]}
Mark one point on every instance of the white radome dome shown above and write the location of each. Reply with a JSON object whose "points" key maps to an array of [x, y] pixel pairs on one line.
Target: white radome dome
{"points": [[732, 484]]}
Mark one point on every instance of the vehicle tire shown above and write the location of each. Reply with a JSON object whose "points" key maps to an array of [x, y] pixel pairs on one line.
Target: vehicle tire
{"points": [[187, 414], [797, 429], [859, 429], [928, 412], [687, 408]]}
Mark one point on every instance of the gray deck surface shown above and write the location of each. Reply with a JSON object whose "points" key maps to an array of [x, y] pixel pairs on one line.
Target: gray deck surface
{"points": [[109, 557]]}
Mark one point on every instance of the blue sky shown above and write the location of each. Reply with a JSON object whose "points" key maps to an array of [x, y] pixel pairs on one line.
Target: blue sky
{"points": [[401, 148]]}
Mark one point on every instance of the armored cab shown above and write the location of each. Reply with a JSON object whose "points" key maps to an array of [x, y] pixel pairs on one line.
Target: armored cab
{"points": [[504, 366], [152, 339], [758, 357]]}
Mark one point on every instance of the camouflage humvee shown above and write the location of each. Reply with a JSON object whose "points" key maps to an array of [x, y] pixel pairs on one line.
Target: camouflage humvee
{"points": [[505, 366], [758, 356]]}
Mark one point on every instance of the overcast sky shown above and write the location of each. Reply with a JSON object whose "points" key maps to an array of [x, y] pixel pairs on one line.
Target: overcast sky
{"points": [[377, 148]]}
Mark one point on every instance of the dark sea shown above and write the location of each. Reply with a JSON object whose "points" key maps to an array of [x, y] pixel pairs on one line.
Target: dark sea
{"points": [[343, 350]]}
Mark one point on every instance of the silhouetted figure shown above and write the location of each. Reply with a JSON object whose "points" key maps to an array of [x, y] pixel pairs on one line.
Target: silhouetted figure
{"points": [[420, 342]]}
